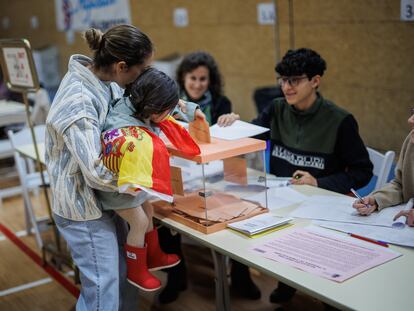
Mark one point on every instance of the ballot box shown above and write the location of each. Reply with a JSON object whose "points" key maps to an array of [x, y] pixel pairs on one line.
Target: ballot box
{"points": [[212, 188]]}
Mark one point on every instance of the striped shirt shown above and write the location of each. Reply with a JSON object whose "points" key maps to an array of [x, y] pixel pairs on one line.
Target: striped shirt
{"points": [[73, 147]]}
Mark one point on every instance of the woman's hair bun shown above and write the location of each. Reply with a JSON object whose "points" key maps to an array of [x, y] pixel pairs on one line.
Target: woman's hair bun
{"points": [[94, 38]]}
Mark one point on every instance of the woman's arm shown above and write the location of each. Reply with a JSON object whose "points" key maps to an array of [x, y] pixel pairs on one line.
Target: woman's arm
{"points": [[83, 139], [392, 193], [185, 111]]}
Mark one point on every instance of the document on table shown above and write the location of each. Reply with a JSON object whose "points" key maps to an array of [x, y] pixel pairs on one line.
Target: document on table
{"points": [[239, 129], [339, 209], [402, 237], [324, 253], [257, 224], [278, 197]]}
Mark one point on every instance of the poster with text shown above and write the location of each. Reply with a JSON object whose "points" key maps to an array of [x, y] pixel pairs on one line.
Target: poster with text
{"points": [[79, 15], [18, 68]]}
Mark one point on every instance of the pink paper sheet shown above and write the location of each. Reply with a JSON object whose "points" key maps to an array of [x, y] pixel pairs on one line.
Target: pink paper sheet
{"points": [[325, 253]]}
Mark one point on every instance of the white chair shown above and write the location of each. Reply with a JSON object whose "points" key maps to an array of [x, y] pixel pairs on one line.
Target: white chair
{"points": [[29, 179], [382, 165]]}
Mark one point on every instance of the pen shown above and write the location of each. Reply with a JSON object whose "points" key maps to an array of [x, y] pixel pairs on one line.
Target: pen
{"points": [[359, 197], [368, 240]]}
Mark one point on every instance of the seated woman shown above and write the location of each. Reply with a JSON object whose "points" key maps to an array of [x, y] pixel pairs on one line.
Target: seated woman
{"points": [[401, 189], [199, 79]]}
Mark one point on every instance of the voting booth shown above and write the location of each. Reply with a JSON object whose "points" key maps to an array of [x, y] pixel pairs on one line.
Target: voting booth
{"points": [[209, 188]]}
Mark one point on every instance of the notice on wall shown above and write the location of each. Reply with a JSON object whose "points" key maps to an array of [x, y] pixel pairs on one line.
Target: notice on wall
{"points": [[180, 17], [266, 13], [79, 15], [407, 10], [18, 68]]}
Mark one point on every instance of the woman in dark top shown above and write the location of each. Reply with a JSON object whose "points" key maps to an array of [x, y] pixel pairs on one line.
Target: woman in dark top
{"points": [[200, 81]]}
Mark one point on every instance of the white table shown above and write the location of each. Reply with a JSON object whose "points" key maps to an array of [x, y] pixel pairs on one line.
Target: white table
{"points": [[12, 112], [386, 287]]}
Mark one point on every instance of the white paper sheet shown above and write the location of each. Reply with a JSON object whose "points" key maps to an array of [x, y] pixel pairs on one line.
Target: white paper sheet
{"points": [[324, 253], [258, 223], [237, 130], [339, 209], [402, 237], [279, 197]]}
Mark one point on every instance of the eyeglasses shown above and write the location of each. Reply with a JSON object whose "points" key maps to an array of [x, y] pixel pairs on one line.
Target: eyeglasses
{"points": [[293, 81]]}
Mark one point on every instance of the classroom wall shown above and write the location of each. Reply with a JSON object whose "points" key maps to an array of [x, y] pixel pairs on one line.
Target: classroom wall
{"points": [[367, 48], [370, 59]]}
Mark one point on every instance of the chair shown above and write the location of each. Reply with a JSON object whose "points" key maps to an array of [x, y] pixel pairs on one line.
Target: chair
{"points": [[382, 165], [264, 96], [29, 179]]}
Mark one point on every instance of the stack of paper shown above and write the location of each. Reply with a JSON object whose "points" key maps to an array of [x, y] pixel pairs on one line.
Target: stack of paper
{"points": [[258, 224]]}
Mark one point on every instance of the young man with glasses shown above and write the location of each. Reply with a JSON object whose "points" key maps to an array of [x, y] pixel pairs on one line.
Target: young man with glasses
{"points": [[312, 140]]}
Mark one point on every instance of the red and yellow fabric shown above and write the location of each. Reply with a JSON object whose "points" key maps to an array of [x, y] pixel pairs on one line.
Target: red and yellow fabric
{"points": [[141, 158]]}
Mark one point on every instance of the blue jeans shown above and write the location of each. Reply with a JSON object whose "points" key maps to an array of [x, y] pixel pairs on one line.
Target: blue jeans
{"points": [[96, 247]]}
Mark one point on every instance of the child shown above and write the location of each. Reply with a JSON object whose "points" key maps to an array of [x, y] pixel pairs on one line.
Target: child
{"points": [[132, 148]]}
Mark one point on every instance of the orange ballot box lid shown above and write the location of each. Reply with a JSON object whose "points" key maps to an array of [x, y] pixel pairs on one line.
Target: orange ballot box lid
{"points": [[219, 149]]}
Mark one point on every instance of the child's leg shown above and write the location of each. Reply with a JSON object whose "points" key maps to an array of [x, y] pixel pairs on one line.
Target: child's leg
{"points": [[157, 259], [149, 212], [136, 251], [138, 223]]}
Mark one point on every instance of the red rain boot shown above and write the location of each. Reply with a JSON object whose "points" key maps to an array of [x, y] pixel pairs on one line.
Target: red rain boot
{"points": [[138, 274], [157, 259]]}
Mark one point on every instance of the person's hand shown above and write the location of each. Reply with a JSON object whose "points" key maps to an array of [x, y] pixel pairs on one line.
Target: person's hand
{"points": [[199, 114], [303, 178], [366, 207], [227, 119], [182, 105], [409, 214]]}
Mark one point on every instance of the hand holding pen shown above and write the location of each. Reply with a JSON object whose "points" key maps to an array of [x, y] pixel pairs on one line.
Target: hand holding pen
{"points": [[364, 206], [303, 178]]}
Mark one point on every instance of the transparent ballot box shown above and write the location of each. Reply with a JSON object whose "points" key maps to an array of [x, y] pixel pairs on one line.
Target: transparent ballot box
{"points": [[225, 183]]}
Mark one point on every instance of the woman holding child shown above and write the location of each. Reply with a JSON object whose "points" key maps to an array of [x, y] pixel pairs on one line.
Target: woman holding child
{"points": [[73, 149]]}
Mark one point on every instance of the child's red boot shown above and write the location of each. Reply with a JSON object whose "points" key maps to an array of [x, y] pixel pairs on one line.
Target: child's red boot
{"points": [[138, 274], [157, 259]]}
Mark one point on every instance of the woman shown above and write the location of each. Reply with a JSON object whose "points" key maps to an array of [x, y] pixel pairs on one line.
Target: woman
{"points": [[200, 82], [401, 189], [73, 148]]}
